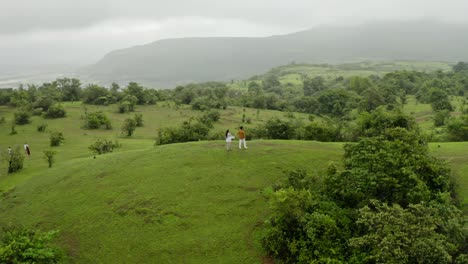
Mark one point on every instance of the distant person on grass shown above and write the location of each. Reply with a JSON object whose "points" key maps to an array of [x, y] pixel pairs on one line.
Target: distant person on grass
{"points": [[229, 139], [241, 135], [27, 150]]}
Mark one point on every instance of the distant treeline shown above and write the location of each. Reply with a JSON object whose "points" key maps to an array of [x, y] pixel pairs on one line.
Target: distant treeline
{"points": [[334, 98]]}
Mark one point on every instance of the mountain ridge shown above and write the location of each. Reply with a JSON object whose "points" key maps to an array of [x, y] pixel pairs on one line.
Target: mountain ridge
{"points": [[170, 62]]}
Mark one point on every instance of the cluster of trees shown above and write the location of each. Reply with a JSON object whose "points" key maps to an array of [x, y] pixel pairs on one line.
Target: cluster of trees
{"points": [[331, 130], [45, 99], [391, 203]]}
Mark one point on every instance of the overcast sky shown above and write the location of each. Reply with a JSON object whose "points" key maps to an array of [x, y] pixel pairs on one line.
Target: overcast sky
{"points": [[81, 32]]}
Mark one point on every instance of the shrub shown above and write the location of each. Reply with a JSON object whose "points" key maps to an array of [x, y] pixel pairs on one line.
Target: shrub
{"points": [[457, 128], [22, 118], [37, 111], [129, 127], [49, 156], [188, 131], [139, 120], [102, 146], [209, 118], [41, 128], [22, 245], [320, 132], [15, 160], [55, 111], [97, 120], [13, 129], [56, 139]]}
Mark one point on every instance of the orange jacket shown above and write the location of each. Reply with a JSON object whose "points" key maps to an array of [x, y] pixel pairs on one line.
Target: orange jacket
{"points": [[241, 134]]}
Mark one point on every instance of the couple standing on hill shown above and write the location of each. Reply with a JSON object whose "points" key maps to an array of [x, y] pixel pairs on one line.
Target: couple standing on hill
{"points": [[230, 137]]}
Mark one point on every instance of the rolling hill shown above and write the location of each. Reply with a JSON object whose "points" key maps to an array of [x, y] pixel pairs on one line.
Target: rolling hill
{"points": [[170, 62]]}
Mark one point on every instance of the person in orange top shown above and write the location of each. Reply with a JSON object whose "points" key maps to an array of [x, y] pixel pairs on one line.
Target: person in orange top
{"points": [[241, 135]]}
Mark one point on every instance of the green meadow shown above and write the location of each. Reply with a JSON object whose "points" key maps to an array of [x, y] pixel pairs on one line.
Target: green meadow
{"points": [[180, 203]]}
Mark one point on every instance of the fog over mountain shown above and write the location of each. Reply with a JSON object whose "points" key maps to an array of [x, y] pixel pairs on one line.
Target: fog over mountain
{"points": [[178, 61], [59, 35]]}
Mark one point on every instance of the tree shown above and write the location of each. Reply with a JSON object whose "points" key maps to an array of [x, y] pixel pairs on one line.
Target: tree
{"points": [[129, 127], [439, 100], [335, 102], [49, 156], [22, 118], [70, 88], [394, 167], [460, 66], [134, 89], [314, 85], [359, 84], [393, 234], [95, 94], [371, 99]]}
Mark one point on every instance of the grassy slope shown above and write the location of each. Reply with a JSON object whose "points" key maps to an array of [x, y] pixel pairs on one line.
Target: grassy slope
{"points": [[181, 203]]}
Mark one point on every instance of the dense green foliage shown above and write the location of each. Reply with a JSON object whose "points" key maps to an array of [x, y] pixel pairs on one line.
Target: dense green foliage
{"points": [[191, 130], [96, 120], [390, 195], [22, 245], [15, 159]]}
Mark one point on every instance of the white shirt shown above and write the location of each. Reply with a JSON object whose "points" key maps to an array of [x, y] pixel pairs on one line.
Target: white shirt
{"points": [[26, 146], [229, 137]]}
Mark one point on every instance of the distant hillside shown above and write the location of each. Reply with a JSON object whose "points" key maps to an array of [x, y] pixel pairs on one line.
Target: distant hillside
{"points": [[177, 61]]}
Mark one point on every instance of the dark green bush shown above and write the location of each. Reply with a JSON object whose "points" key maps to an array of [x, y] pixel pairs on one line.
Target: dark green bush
{"points": [[129, 127], [22, 118], [15, 160], [55, 111], [188, 131], [97, 120], [102, 146], [56, 139], [41, 128]]}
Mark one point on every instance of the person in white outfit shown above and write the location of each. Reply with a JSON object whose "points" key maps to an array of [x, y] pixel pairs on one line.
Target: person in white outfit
{"points": [[229, 139]]}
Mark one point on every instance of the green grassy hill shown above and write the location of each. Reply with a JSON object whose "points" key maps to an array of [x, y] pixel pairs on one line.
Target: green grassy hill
{"points": [[181, 203]]}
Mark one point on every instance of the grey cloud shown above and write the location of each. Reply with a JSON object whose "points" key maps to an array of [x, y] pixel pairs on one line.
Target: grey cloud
{"points": [[30, 15]]}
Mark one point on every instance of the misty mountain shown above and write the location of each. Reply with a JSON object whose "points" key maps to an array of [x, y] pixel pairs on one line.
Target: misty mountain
{"points": [[170, 62]]}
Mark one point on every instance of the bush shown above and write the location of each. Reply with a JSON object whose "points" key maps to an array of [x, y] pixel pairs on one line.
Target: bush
{"points": [[102, 146], [129, 127], [15, 160], [41, 128], [22, 245], [321, 132], [37, 111], [97, 120], [139, 120], [188, 131], [56, 139], [209, 118], [457, 128], [49, 157], [13, 129], [22, 118], [55, 111]]}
